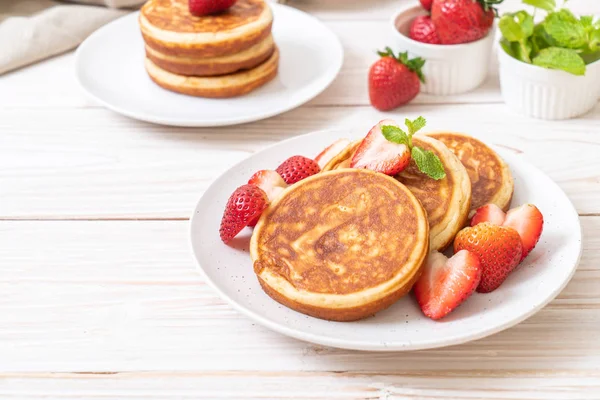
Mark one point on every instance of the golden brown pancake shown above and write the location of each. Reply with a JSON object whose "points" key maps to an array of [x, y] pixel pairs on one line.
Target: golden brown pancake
{"points": [[212, 66], [341, 245], [221, 86], [491, 179], [169, 28], [447, 201], [344, 157]]}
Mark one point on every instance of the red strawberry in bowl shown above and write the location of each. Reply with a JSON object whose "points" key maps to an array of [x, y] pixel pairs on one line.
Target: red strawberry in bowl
{"points": [[296, 168], [394, 80], [243, 207], [378, 154], [462, 21], [446, 283], [423, 30], [498, 248], [426, 4], [206, 7]]}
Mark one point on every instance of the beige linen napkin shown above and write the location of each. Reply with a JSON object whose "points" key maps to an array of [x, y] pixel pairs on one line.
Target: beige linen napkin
{"points": [[32, 30]]}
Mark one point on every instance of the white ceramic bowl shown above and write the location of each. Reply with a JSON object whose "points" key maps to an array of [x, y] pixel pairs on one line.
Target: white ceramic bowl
{"points": [[545, 93], [449, 69]]}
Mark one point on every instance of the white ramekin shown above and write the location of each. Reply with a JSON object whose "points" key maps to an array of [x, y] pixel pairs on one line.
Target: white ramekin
{"points": [[449, 69], [546, 93]]}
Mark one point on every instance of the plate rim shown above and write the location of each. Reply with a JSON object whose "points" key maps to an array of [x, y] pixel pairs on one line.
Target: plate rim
{"points": [[207, 123], [374, 346]]}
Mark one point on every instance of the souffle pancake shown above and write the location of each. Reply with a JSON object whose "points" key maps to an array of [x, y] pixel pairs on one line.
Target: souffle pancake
{"points": [[491, 179], [341, 245], [447, 201], [222, 86], [214, 66], [170, 29]]}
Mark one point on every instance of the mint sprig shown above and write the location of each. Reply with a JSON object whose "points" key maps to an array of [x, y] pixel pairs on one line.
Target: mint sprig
{"points": [[427, 162], [561, 41]]}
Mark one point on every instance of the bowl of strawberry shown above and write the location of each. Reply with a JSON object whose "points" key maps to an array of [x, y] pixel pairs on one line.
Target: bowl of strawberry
{"points": [[455, 37]]}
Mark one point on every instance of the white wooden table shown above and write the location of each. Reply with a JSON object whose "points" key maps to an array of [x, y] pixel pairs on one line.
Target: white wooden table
{"points": [[99, 298]]}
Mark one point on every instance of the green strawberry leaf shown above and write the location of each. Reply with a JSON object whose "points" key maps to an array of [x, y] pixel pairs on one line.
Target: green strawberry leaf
{"points": [[428, 163], [395, 135], [563, 29], [415, 64], [548, 5], [564, 59], [414, 126]]}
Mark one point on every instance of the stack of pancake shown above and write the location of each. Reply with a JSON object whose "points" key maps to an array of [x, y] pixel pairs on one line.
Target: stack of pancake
{"points": [[222, 55], [346, 243]]}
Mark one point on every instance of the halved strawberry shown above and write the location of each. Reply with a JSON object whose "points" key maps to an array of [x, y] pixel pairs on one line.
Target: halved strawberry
{"points": [[498, 248], [378, 154], [245, 204], [331, 151], [529, 222], [296, 168], [270, 182], [489, 213], [446, 283]]}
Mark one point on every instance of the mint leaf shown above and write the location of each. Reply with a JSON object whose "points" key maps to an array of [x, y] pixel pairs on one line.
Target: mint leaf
{"points": [[428, 163], [523, 50], [588, 22], [517, 26], [510, 29], [538, 40], [506, 46], [395, 135], [565, 59], [563, 29], [414, 126], [548, 5]]}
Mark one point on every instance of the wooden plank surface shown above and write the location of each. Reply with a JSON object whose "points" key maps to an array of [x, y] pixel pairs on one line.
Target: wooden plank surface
{"points": [[126, 169], [115, 296], [98, 293]]}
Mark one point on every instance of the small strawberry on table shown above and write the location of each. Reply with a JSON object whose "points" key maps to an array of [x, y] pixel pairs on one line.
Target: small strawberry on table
{"points": [[394, 80]]}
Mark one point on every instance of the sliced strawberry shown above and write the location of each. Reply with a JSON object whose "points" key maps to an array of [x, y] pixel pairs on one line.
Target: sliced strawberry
{"points": [[528, 221], [205, 7], [446, 283], [244, 206], [498, 248], [489, 213], [331, 151], [270, 182], [378, 154], [296, 168]]}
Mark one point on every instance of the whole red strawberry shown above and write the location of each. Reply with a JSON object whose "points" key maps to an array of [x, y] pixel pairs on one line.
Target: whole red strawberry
{"points": [[296, 168], [394, 80], [423, 30], [498, 248], [205, 7], [243, 207], [426, 4], [462, 21]]}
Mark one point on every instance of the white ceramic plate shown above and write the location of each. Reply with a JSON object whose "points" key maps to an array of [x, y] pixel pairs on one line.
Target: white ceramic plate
{"points": [[110, 68], [539, 279]]}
